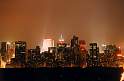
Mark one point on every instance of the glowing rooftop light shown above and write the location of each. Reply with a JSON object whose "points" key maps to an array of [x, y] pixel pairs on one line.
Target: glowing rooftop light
{"points": [[47, 43], [8, 43], [103, 45], [61, 39]]}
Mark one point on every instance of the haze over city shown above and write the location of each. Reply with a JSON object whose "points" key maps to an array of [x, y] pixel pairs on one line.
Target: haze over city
{"points": [[92, 20]]}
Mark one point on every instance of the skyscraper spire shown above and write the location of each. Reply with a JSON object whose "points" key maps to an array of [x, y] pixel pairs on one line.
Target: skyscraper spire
{"points": [[61, 42], [61, 39]]}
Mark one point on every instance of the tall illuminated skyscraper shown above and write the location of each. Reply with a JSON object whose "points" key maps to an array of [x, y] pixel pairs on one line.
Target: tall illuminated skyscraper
{"points": [[93, 57], [61, 39], [47, 43], [61, 42]]}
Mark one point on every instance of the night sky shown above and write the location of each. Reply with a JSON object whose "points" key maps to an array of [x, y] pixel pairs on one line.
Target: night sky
{"points": [[92, 20]]}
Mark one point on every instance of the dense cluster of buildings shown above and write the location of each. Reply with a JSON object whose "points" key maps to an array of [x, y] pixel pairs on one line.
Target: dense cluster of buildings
{"points": [[75, 54]]}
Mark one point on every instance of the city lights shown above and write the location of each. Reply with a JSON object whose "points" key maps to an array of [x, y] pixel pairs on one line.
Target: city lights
{"points": [[61, 54], [74, 34], [122, 76], [8, 43], [47, 43], [119, 55], [61, 39], [3, 64], [103, 45]]}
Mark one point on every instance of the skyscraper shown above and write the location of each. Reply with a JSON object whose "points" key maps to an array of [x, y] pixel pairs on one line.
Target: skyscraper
{"points": [[74, 41], [93, 58], [20, 51], [111, 53], [76, 55], [83, 51], [61, 42], [34, 57], [3, 48]]}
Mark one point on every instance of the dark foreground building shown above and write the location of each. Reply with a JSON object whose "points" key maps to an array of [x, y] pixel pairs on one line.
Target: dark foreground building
{"points": [[61, 74], [20, 52]]}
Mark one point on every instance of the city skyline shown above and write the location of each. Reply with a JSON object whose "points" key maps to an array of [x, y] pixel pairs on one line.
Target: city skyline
{"points": [[84, 35], [74, 55]]}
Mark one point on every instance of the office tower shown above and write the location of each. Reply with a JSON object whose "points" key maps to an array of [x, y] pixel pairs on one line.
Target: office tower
{"points": [[93, 57], [120, 57], [52, 56], [47, 43], [6, 50], [82, 45], [47, 53], [76, 56], [10, 51], [74, 41], [107, 57], [102, 59], [103, 47], [3, 48], [37, 49], [31, 53], [111, 55], [32, 58], [83, 51], [38, 55], [68, 56], [20, 51], [52, 50], [59, 56]]}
